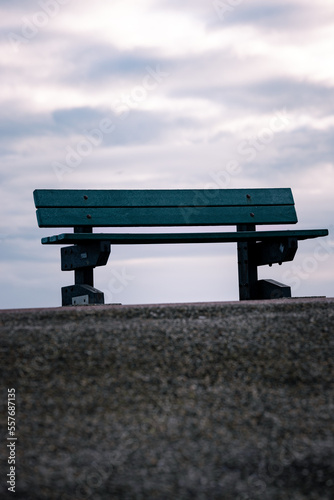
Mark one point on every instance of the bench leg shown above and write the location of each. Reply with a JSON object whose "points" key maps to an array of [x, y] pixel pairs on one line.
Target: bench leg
{"points": [[82, 259], [77, 295], [83, 291], [247, 268], [271, 289], [247, 272], [250, 288], [250, 256]]}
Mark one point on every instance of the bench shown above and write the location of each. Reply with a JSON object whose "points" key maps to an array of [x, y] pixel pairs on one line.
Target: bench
{"points": [[245, 209]]}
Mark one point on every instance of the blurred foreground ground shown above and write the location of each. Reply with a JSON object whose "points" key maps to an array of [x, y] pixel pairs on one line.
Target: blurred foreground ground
{"points": [[190, 401]]}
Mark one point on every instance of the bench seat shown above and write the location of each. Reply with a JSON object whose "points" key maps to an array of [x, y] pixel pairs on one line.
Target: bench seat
{"points": [[157, 238]]}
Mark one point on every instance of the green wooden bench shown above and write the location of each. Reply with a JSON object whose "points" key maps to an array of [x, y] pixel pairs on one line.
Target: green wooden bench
{"points": [[245, 209]]}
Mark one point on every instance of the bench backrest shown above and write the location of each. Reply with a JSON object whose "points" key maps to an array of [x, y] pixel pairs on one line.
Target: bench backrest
{"points": [[172, 207]]}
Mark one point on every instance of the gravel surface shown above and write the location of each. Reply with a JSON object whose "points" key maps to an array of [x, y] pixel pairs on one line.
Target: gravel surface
{"points": [[199, 401]]}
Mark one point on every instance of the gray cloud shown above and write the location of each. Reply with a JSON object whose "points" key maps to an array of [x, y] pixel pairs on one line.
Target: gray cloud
{"points": [[281, 16], [266, 95], [138, 127], [278, 14], [96, 62]]}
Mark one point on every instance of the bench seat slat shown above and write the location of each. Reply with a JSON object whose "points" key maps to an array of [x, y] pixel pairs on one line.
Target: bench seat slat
{"points": [[161, 197], [156, 238], [165, 216]]}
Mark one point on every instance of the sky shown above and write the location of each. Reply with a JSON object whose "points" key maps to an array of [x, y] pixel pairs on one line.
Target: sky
{"points": [[164, 94]]}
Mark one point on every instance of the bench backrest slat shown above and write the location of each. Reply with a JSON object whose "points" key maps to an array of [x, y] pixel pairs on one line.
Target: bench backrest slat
{"points": [[131, 208], [161, 197]]}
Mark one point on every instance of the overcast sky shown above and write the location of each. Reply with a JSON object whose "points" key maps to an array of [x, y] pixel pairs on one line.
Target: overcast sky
{"points": [[164, 94]]}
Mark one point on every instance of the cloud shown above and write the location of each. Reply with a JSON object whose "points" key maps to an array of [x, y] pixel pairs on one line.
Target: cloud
{"points": [[71, 120], [266, 95], [284, 16], [217, 88]]}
